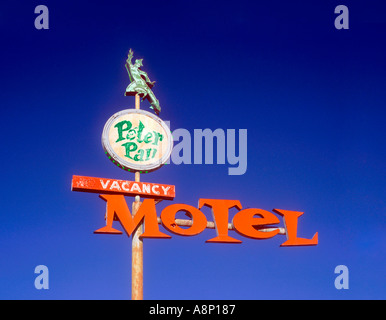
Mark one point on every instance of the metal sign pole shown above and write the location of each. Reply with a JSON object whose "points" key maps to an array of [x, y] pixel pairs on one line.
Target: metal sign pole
{"points": [[137, 244]]}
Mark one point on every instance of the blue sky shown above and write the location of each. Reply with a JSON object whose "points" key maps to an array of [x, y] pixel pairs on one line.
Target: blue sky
{"points": [[311, 97]]}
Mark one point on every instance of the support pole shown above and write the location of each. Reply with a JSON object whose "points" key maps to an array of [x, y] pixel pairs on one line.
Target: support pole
{"points": [[137, 244]]}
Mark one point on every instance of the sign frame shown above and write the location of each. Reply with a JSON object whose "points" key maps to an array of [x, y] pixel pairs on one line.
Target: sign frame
{"points": [[129, 166]]}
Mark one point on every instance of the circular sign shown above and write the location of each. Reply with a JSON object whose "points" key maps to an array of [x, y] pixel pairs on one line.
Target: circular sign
{"points": [[137, 140]]}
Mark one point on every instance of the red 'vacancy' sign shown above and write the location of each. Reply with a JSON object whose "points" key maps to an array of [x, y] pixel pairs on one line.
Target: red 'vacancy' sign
{"points": [[124, 187]]}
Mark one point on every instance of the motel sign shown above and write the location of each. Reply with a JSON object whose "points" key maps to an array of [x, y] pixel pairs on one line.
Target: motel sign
{"points": [[251, 222]]}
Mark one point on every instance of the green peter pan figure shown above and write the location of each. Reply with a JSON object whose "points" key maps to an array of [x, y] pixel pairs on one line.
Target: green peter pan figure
{"points": [[140, 83]]}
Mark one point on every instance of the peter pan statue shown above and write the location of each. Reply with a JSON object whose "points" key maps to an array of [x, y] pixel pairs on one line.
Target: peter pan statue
{"points": [[140, 83]]}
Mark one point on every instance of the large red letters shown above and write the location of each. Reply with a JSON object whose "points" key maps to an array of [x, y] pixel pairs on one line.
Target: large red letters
{"points": [[248, 222]]}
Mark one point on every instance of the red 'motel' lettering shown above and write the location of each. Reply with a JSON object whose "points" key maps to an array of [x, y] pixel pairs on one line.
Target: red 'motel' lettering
{"points": [[248, 222]]}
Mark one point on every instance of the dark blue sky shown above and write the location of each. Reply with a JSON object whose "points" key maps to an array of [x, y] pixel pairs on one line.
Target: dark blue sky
{"points": [[311, 97]]}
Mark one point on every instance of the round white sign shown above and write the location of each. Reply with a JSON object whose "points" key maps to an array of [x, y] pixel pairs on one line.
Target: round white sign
{"points": [[137, 140]]}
